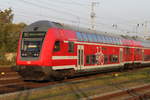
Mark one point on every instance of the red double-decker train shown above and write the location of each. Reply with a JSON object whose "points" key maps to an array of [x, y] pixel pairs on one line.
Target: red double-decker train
{"points": [[49, 50]]}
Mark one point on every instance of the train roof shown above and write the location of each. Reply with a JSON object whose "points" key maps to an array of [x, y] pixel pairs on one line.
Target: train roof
{"points": [[44, 25]]}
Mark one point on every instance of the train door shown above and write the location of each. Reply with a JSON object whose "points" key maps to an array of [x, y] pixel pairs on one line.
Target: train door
{"points": [[80, 53], [121, 55]]}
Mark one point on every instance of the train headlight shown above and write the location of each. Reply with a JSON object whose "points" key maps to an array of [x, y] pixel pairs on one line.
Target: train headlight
{"points": [[36, 54], [24, 54]]}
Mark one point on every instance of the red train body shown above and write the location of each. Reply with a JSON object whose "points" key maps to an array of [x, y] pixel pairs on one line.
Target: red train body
{"points": [[49, 50]]}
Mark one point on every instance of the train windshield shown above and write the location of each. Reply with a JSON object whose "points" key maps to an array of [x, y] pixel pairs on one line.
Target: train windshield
{"points": [[31, 44]]}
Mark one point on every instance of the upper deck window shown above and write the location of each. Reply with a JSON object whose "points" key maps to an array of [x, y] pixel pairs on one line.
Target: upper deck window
{"points": [[90, 37], [79, 36], [100, 38], [85, 36], [94, 37]]}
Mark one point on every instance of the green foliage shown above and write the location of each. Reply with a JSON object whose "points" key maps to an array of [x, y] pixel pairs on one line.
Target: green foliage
{"points": [[4, 61], [9, 35], [9, 32]]}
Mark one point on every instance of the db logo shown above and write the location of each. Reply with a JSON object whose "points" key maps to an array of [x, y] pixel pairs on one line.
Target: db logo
{"points": [[28, 62], [100, 58]]}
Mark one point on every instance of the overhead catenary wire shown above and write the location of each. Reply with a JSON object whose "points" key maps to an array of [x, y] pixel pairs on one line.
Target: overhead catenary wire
{"points": [[47, 8], [71, 2], [82, 19], [52, 9], [67, 7]]}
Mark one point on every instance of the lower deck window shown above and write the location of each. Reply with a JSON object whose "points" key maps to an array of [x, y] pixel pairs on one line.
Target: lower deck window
{"points": [[147, 57], [71, 47], [91, 59], [105, 59], [88, 59], [114, 58]]}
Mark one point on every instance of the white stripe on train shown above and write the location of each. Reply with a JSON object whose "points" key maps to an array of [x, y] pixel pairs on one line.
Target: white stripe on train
{"points": [[94, 66], [101, 44], [64, 57]]}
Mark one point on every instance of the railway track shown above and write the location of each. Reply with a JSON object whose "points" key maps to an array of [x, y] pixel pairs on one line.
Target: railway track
{"points": [[135, 93], [10, 81]]}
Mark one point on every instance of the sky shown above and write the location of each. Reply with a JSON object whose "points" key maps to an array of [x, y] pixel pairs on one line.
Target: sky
{"points": [[118, 16]]}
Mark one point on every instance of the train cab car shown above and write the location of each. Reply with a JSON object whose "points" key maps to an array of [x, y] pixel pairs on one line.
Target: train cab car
{"points": [[42, 48]]}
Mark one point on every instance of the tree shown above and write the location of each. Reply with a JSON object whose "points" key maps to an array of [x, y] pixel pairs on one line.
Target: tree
{"points": [[9, 32], [6, 16]]}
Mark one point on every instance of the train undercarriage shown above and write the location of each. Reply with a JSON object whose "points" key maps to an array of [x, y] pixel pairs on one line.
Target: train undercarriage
{"points": [[40, 73], [37, 73]]}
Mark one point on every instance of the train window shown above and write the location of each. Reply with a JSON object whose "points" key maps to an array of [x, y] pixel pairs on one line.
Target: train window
{"points": [[104, 49], [120, 42], [79, 35], [127, 51], [114, 58], [97, 38], [113, 40], [109, 40], [105, 59], [88, 59], [71, 47], [94, 37], [85, 37], [105, 39], [146, 57], [102, 38], [91, 59], [57, 46], [116, 41], [138, 51], [89, 37]]}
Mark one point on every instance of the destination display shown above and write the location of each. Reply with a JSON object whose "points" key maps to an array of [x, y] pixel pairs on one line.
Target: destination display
{"points": [[33, 35]]}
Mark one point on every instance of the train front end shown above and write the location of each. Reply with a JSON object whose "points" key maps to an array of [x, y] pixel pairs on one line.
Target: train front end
{"points": [[34, 51]]}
